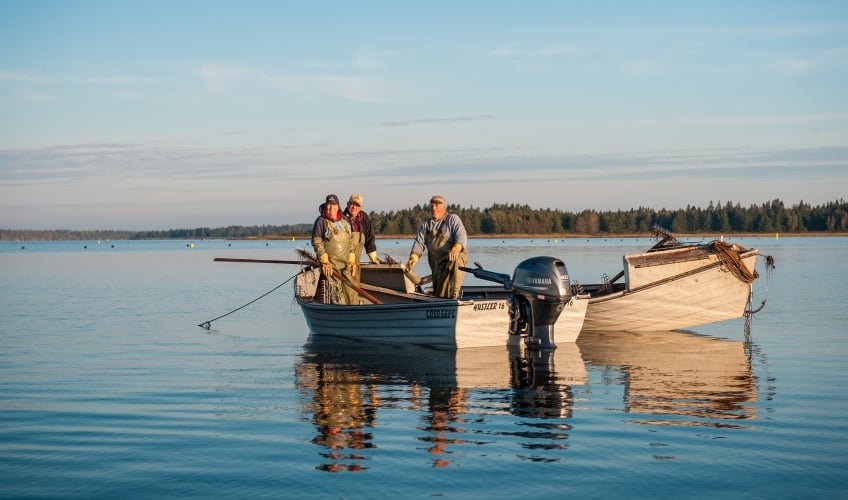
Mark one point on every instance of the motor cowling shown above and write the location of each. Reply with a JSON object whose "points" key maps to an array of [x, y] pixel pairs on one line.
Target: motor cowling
{"points": [[543, 286]]}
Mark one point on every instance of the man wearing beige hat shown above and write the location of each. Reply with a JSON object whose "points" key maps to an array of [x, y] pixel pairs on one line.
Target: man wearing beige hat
{"points": [[363, 233], [446, 242]]}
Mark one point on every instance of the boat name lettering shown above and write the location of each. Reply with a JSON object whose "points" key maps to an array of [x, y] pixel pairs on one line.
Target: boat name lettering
{"points": [[488, 306], [441, 313]]}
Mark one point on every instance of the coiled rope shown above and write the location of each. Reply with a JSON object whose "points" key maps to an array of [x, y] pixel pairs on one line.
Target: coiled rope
{"points": [[208, 324], [730, 258]]}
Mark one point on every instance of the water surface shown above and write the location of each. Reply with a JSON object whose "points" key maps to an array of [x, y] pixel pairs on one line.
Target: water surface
{"points": [[108, 388]]}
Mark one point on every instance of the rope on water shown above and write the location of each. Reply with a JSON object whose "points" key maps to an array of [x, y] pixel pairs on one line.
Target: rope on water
{"points": [[208, 324]]}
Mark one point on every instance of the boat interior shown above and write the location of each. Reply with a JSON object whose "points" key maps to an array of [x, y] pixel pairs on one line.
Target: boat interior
{"points": [[388, 283]]}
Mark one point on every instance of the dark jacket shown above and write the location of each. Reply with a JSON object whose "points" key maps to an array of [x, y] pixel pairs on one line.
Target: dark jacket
{"points": [[365, 228]]}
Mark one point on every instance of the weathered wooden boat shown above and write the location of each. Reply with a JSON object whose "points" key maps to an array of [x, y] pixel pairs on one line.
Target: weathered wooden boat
{"points": [[533, 304], [674, 286]]}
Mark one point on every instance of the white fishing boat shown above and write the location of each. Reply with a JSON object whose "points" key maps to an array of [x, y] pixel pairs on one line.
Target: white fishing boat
{"points": [[674, 286], [536, 304]]}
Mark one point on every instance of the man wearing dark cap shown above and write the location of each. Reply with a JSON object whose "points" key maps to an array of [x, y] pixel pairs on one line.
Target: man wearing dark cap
{"points": [[333, 243], [446, 242]]}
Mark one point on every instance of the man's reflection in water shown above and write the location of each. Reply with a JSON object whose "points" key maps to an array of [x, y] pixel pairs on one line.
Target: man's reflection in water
{"points": [[342, 387], [446, 405], [342, 412]]}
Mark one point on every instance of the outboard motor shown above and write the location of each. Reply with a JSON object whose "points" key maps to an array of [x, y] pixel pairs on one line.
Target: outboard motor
{"points": [[542, 284]]}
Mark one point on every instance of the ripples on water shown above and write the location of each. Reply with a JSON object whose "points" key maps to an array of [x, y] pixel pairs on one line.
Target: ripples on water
{"points": [[109, 389]]}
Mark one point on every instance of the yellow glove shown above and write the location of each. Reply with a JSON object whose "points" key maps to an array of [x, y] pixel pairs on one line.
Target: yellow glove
{"points": [[454, 252], [373, 257], [351, 263], [326, 267], [411, 263]]}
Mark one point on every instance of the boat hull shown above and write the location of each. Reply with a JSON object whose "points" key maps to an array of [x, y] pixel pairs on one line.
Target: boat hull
{"points": [[570, 322], [692, 293], [447, 324]]}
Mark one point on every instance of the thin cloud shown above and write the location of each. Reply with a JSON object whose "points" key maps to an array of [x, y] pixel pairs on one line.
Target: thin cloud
{"points": [[554, 50], [535, 58], [125, 160], [36, 96], [369, 57], [220, 77], [434, 121], [14, 76], [762, 120], [351, 88], [827, 59], [829, 162], [644, 68], [122, 79]]}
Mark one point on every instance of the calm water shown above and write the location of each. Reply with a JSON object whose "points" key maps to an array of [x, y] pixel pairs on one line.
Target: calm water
{"points": [[108, 388]]}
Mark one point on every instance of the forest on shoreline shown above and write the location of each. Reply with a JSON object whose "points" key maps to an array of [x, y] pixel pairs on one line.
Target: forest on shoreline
{"points": [[518, 220]]}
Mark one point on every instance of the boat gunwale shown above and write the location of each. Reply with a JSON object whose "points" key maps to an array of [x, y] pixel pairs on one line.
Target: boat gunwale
{"points": [[412, 304], [669, 279]]}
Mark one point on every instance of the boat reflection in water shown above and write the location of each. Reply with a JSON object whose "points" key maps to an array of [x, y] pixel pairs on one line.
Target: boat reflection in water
{"points": [[359, 394], [668, 375], [348, 387]]}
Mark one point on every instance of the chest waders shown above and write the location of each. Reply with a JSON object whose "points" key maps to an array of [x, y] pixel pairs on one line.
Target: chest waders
{"points": [[447, 277], [358, 245], [337, 244]]}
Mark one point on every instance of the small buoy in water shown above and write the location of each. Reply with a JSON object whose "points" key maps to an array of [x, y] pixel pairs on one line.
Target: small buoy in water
{"points": [[190, 245], [23, 247], [266, 244]]}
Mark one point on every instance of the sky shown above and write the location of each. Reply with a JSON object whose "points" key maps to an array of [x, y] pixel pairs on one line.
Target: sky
{"points": [[145, 115]]}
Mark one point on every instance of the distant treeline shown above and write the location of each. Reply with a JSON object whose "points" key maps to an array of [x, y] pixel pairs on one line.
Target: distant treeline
{"points": [[506, 219]]}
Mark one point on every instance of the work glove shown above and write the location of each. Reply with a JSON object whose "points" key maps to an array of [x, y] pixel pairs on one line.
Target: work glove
{"points": [[326, 267], [454, 252], [351, 264], [411, 263], [373, 257]]}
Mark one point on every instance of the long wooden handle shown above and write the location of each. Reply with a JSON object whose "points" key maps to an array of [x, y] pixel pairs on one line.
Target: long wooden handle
{"points": [[338, 275], [360, 291], [262, 261]]}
